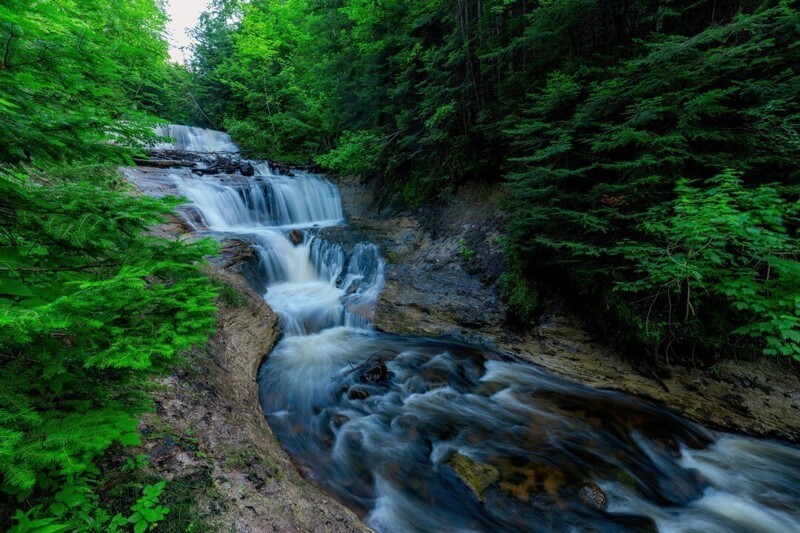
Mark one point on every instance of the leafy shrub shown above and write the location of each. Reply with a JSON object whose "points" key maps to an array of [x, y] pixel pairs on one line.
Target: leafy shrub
{"points": [[725, 243], [146, 511], [465, 251], [356, 154]]}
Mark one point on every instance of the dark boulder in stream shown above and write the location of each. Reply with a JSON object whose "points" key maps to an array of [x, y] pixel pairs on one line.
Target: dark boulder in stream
{"points": [[375, 373]]}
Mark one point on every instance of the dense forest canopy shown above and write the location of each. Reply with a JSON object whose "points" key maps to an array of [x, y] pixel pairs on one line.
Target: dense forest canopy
{"points": [[649, 148]]}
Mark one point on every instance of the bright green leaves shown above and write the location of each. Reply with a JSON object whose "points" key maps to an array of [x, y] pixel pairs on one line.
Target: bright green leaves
{"points": [[147, 511], [91, 306], [356, 154], [76, 507], [728, 243], [255, 74], [72, 75]]}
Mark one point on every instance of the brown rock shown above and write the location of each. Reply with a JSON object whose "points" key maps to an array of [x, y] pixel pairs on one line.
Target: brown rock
{"points": [[296, 236], [339, 420], [592, 496], [375, 374], [357, 394]]}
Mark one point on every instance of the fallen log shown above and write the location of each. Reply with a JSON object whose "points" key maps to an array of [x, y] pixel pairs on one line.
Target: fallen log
{"points": [[164, 163]]}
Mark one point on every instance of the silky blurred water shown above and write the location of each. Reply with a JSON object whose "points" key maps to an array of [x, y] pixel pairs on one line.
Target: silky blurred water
{"points": [[190, 139]]}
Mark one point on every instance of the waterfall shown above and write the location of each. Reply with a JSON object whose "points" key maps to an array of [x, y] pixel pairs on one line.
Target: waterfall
{"points": [[421, 434], [189, 139], [311, 283]]}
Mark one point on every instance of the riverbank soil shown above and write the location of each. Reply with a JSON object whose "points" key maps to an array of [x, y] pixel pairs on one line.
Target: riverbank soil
{"points": [[442, 278], [208, 435]]}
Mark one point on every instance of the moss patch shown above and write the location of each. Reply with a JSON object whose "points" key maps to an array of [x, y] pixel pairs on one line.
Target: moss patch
{"points": [[476, 475]]}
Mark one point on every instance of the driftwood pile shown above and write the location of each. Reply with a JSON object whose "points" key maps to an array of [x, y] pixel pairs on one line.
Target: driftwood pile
{"points": [[216, 163], [199, 162]]}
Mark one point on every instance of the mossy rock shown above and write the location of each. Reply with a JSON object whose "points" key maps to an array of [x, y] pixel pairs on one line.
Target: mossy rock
{"points": [[476, 475]]}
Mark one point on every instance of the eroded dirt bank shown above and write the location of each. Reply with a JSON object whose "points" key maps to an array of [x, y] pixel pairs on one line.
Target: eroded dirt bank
{"points": [[208, 431], [442, 277]]}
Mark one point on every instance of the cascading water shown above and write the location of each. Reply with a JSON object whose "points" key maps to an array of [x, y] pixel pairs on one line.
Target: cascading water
{"points": [[427, 435], [189, 139]]}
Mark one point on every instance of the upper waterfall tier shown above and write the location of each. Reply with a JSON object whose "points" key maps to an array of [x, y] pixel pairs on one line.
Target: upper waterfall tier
{"points": [[266, 200], [192, 139]]}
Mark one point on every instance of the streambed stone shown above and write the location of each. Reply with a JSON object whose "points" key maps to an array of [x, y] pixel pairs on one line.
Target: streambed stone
{"points": [[592, 496], [474, 474]]}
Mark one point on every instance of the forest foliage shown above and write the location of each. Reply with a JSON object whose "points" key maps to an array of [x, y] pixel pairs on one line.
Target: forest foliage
{"points": [[91, 304], [649, 148]]}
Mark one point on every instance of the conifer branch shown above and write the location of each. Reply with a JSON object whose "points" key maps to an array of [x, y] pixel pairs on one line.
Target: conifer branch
{"points": [[60, 269]]}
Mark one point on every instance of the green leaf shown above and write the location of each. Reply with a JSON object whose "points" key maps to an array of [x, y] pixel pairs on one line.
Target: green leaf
{"points": [[11, 287], [130, 439]]}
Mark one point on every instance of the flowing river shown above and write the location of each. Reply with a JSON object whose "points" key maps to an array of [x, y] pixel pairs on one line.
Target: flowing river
{"points": [[420, 434]]}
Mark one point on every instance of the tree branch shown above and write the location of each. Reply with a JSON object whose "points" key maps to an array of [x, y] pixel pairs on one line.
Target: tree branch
{"points": [[7, 52], [60, 269]]}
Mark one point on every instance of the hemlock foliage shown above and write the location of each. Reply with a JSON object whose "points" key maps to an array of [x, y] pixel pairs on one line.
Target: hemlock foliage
{"points": [[91, 305], [623, 128], [663, 187], [77, 73]]}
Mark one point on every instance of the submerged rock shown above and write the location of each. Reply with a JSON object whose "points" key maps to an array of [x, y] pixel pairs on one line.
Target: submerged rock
{"points": [[592, 496], [339, 420], [296, 236], [377, 373], [357, 394], [475, 475]]}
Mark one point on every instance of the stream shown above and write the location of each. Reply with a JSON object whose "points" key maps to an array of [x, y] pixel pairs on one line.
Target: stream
{"points": [[418, 434]]}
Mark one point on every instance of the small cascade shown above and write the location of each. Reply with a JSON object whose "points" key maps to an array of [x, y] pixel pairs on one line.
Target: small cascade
{"points": [[189, 139], [303, 200], [311, 283], [363, 284], [426, 435], [264, 201]]}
